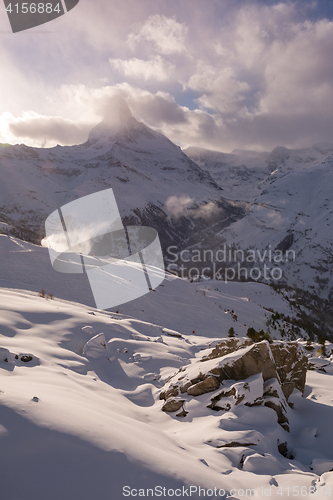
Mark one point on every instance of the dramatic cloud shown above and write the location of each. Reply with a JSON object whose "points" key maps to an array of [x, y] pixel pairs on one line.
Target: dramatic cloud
{"points": [[42, 131], [219, 88], [220, 75], [165, 34], [154, 69]]}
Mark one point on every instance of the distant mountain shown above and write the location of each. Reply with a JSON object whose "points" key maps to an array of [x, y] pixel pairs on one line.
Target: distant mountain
{"points": [[241, 174], [295, 209], [291, 208], [143, 167]]}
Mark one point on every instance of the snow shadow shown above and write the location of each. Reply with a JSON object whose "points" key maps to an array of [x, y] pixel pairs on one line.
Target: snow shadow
{"points": [[39, 463]]}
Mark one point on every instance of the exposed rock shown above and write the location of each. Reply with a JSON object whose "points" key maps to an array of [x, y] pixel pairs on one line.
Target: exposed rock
{"points": [[172, 333], [271, 390], [283, 448], [279, 410], [183, 413], [26, 358], [226, 347], [225, 394], [235, 443], [185, 387], [291, 365], [249, 392], [250, 374], [172, 405], [286, 243], [208, 385], [172, 392], [257, 358]]}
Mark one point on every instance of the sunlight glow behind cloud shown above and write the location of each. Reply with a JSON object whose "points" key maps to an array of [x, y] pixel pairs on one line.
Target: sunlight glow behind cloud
{"points": [[254, 75]]}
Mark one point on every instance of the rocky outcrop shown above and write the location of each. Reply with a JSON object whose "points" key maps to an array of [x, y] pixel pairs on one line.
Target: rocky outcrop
{"points": [[291, 366], [226, 347], [249, 361], [238, 372]]}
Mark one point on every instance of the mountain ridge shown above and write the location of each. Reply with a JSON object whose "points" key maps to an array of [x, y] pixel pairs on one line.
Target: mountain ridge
{"points": [[143, 167]]}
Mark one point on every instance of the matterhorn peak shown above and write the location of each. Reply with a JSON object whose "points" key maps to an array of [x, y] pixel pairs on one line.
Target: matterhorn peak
{"points": [[117, 117]]}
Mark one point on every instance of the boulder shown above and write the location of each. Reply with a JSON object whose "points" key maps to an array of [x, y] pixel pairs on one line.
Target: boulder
{"points": [[290, 362], [291, 365], [173, 404], [252, 374], [209, 384], [257, 358]]}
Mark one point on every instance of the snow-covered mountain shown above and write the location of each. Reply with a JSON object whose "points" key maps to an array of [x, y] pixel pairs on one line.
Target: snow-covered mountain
{"points": [[143, 168], [199, 201], [240, 173], [291, 209]]}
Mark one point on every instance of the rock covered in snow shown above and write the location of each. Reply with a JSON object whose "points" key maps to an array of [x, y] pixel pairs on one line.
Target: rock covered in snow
{"points": [[238, 373], [226, 347], [291, 365], [95, 347]]}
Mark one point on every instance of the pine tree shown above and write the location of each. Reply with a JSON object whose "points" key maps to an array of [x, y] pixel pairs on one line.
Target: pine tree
{"points": [[231, 332]]}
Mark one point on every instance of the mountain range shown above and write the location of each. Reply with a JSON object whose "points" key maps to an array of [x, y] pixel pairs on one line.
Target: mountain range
{"points": [[202, 203]]}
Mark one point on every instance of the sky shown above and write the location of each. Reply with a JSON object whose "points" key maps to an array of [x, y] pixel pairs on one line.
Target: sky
{"points": [[218, 74]]}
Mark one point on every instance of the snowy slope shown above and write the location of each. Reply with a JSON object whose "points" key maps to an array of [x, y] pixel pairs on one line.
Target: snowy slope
{"points": [[83, 418], [207, 305]]}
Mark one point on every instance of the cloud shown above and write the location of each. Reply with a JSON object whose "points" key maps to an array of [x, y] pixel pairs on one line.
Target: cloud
{"points": [[206, 211], [219, 75], [155, 109], [155, 68], [220, 90], [42, 131], [182, 206], [165, 34], [177, 206]]}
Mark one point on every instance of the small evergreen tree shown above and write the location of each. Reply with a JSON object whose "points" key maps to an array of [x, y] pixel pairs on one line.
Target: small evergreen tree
{"points": [[258, 336], [252, 333], [231, 332]]}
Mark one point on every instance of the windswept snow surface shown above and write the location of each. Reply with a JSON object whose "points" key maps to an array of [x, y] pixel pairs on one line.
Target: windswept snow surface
{"points": [[82, 419]]}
